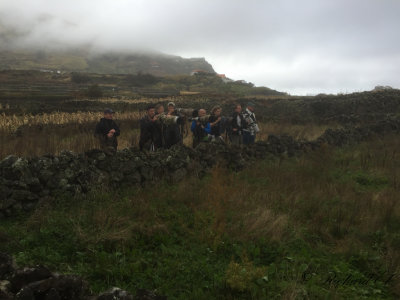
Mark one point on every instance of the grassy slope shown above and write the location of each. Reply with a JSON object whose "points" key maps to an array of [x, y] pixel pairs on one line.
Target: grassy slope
{"points": [[284, 228], [110, 63]]}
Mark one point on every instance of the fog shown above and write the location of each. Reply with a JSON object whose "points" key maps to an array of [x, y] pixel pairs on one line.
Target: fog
{"points": [[299, 47]]}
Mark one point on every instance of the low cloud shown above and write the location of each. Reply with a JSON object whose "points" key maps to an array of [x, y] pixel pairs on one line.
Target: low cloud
{"points": [[302, 47]]}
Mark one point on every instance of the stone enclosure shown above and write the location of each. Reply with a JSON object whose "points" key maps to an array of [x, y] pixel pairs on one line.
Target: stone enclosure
{"points": [[25, 182]]}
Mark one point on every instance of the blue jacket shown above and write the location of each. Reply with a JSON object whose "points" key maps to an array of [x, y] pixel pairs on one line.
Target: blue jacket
{"points": [[198, 131]]}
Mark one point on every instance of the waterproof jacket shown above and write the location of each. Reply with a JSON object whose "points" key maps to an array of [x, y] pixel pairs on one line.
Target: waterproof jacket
{"points": [[101, 131], [159, 134], [147, 133], [200, 131], [105, 125], [251, 121], [216, 129], [238, 122]]}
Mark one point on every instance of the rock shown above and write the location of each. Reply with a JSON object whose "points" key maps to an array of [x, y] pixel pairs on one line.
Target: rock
{"points": [[142, 294], [5, 286], [6, 203], [25, 276], [61, 286], [21, 164], [178, 175], [133, 178], [6, 265], [116, 176], [4, 192], [52, 294], [23, 195], [115, 294], [8, 161], [6, 296], [25, 294], [147, 173]]}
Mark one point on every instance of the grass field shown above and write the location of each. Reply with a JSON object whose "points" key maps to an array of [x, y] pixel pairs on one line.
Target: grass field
{"points": [[324, 225], [321, 226], [30, 135]]}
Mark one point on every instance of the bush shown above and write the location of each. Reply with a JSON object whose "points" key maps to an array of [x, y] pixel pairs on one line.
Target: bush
{"points": [[141, 79], [94, 91], [79, 78]]}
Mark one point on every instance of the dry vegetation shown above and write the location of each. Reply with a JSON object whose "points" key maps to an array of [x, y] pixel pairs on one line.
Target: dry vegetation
{"points": [[35, 135], [11, 123], [329, 210]]}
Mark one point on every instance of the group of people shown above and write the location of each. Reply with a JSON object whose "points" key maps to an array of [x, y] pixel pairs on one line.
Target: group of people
{"points": [[240, 128], [161, 129]]}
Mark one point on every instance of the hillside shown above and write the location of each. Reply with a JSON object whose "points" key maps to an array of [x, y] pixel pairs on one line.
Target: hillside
{"points": [[80, 60]]}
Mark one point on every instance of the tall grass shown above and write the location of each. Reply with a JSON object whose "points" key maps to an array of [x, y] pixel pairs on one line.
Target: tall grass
{"points": [[52, 139], [10, 123], [35, 135], [247, 235]]}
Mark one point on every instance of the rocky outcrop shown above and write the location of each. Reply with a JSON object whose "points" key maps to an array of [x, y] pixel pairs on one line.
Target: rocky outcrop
{"points": [[26, 182], [40, 283]]}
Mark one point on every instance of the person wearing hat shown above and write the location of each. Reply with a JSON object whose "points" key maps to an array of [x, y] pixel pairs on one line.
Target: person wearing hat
{"points": [[147, 130], [249, 133], [107, 131]]}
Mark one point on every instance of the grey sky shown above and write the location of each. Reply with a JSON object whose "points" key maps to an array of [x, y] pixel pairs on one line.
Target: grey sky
{"points": [[300, 47]]}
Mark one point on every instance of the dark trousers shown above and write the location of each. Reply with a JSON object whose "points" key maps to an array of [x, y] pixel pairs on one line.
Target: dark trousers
{"points": [[172, 136], [108, 145], [236, 139], [248, 139]]}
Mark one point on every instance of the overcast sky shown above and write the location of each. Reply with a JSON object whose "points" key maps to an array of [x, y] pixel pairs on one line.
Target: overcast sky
{"points": [[300, 47]]}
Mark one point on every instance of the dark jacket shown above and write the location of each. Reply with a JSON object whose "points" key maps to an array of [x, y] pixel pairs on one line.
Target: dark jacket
{"points": [[158, 135], [173, 133], [101, 131], [105, 125], [216, 129], [147, 129], [238, 123]]}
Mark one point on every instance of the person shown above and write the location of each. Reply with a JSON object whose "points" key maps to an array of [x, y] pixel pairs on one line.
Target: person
{"points": [[159, 130], [200, 127], [215, 123], [238, 123], [107, 131], [172, 122], [249, 133], [147, 129]]}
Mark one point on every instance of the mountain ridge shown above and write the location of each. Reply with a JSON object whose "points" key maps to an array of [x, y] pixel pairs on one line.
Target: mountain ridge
{"points": [[110, 62]]}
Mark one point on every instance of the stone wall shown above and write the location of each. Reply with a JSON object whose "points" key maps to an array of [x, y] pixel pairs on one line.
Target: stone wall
{"points": [[25, 182]]}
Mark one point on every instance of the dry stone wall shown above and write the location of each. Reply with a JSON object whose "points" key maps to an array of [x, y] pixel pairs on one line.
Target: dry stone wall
{"points": [[25, 182]]}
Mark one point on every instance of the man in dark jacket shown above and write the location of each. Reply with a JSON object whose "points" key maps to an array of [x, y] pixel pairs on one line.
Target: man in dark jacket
{"points": [[147, 130], [107, 131], [216, 124], [159, 128], [237, 126]]}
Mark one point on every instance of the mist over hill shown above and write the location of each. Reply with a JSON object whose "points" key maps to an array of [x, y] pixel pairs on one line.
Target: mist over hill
{"points": [[110, 62]]}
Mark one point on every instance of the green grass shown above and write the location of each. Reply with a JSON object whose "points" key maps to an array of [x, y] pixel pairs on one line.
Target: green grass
{"points": [[322, 226]]}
